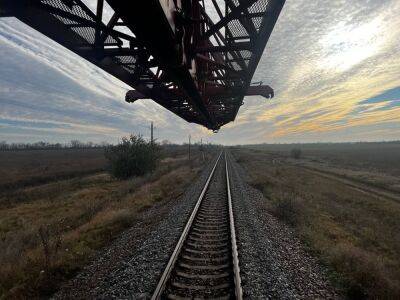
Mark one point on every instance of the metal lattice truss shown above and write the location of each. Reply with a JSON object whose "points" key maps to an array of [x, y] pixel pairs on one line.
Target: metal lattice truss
{"points": [[193, 57]]}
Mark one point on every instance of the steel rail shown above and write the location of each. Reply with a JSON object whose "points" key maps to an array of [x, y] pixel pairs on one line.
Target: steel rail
{"points": [[235, 256], [164, 278], [174, 259]]}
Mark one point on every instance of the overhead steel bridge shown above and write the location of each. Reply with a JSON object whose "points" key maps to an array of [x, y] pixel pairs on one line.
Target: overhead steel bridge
{"points": [[194, 57]]}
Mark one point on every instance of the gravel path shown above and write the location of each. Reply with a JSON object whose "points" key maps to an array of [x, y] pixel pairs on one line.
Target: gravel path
{"points": [[273, 263], [130, 268]]}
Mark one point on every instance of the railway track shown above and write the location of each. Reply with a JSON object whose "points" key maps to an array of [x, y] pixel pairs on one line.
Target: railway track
{"points": [[205, 262]]}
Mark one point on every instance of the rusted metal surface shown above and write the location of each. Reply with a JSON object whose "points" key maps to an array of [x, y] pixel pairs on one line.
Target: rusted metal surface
{"points": [[194, 57]]}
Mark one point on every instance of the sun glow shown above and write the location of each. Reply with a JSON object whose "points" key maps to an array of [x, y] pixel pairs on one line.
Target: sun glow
{"points": [[347, 45]]}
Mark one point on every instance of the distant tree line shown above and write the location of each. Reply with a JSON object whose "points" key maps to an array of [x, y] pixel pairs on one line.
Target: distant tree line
{"points": [[76, 144], [73, 144]]}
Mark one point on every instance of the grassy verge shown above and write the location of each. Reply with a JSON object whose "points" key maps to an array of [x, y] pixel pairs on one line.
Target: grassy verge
{"points": [[355, 234], [49, 232]]}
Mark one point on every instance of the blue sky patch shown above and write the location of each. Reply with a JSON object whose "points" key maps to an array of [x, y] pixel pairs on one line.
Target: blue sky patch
{"points": [[387, 96]]}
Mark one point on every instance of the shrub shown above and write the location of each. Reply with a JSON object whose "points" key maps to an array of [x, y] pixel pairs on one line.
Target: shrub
{"points": [[287, 208], [296, 153], [133, 156]]}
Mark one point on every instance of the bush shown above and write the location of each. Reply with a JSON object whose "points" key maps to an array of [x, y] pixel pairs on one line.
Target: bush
{"points": [[296, 153], [133, 156], [287, 208]]}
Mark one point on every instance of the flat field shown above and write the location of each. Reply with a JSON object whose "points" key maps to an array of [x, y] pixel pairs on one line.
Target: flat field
{"points": [[29, 167], [381, 157], [351, 223], [51, 227], [376, 164]]}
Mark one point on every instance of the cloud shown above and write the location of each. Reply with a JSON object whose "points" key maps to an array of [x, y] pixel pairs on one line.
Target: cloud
{"points": [[319, 76], [334, 67], [45, 90]]}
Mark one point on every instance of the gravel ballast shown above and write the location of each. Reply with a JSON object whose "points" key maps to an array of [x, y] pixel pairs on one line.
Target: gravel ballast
{"points": [[273, 263]]}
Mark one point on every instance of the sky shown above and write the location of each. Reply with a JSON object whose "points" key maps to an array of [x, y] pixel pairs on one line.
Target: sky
{"points": [[334, 66]]}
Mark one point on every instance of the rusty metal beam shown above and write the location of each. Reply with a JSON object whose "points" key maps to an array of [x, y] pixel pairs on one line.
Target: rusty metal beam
{"points": [[198, 69], [160, 39], [236, 11]]}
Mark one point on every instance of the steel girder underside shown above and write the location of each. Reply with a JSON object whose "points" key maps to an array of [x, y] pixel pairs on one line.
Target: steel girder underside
{"points": [[194, 57]]}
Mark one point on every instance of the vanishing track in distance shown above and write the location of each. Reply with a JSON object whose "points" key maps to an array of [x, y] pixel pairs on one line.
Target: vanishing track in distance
{"points": [[205, 262]]}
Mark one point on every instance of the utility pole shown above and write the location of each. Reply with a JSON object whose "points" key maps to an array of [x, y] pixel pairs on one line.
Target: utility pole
{"points": [[189, 147], [151, 133], [202, 150]]}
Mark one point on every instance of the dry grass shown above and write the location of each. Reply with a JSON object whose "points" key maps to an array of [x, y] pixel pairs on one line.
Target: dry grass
{"points": [[376, 164], [377, 157], [48, 232], [354, 233], [28, 167]]}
